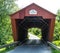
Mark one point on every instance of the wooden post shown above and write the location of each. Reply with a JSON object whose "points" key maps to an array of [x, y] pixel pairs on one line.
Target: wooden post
{"points": [[51, 29], [14, 29]]}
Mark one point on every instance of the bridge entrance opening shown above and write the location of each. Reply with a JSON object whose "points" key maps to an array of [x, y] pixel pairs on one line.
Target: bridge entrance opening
{"points": [[34, 33], [23, 26]]}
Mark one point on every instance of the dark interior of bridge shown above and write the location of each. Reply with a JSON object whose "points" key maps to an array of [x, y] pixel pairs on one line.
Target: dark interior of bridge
{"points": [[32, 21]]}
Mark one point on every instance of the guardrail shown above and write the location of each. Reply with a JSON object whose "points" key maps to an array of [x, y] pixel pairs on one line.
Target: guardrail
{"points": [[16, 43], [8, 45], [53, 46]]}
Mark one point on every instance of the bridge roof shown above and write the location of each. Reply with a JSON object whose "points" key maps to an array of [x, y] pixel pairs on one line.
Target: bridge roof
{"points": [[33, 10]]}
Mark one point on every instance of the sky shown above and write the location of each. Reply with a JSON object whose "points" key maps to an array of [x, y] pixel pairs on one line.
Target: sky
{"points": [[50, 5]]}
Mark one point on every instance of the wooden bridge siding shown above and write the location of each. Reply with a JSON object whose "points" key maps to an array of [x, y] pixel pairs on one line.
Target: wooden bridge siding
{"points": [[14, 29], [51, 29]]}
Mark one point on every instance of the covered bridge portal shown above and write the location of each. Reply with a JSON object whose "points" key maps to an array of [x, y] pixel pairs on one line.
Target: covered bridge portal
{"points": [[32, 16]]}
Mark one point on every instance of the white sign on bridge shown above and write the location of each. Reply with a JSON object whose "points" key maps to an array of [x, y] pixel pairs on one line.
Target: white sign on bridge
{"points": [[32, 11]]}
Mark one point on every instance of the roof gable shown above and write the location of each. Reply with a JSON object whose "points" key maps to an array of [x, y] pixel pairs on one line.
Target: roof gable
{"points": [[40, 11]]}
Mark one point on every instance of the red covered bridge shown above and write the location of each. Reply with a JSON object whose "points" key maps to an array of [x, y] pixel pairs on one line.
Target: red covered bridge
{"points": [[32, 16]]}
